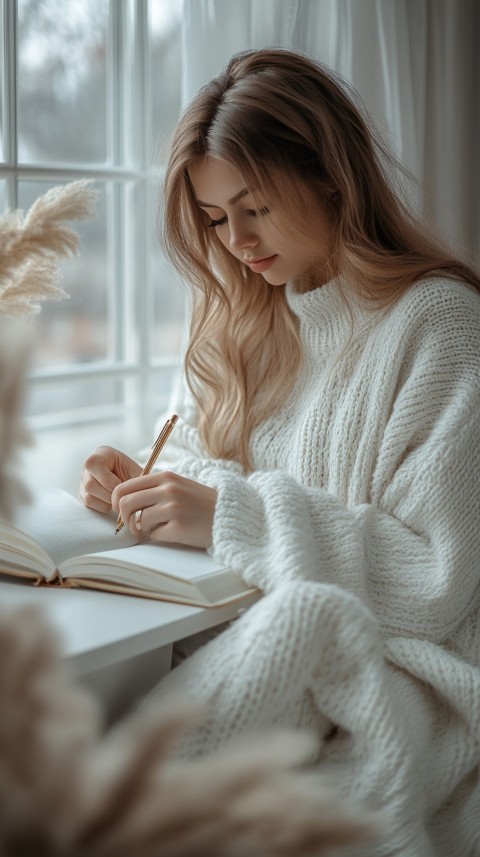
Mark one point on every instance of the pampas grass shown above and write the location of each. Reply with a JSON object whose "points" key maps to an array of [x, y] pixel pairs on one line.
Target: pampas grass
{"points": [[67, 789], [14, 360], [47, 727], [31, 245]]}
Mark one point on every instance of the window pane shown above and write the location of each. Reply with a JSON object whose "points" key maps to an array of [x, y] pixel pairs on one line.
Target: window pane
{"points": [[165, 68], [165, 18], [169, 295], [64, 395], [76, 330], [62, 61], [3, 196]]}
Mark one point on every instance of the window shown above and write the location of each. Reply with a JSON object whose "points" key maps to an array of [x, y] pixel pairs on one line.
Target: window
{"points": [[89, 88]]}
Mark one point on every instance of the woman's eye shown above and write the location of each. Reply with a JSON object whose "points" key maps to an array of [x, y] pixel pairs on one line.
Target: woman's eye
{"points": [[219, 222], [261, 211], [249, 211]]}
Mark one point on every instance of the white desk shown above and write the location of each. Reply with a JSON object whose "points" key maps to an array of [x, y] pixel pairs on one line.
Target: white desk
{"points": [[118, 645]]}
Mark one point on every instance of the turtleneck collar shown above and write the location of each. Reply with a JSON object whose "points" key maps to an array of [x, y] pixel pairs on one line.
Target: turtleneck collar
{"points": [[327, 315]]}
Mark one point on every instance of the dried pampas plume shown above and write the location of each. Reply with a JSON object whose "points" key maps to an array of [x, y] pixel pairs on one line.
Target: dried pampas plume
{"points": [[14, 359], [31, 245], [67, 790]]}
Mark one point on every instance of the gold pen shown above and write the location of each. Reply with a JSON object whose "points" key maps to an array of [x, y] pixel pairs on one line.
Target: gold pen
{"points": [[156, 450]]}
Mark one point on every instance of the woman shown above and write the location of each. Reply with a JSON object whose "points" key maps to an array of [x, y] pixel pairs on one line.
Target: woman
{"points": [[329, 448]]}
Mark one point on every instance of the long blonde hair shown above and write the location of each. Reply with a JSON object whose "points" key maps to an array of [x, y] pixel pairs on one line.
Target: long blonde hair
{"points": [[284, 122]]}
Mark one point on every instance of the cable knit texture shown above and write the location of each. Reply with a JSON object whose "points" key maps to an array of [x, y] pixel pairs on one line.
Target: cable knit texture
{"points": [[361, 524]]}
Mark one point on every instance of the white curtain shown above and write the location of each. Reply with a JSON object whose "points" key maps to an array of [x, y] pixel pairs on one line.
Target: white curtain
{"points": [[416, 64]]}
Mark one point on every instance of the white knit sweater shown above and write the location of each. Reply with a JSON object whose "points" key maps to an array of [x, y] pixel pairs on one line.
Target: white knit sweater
{"points": [[361, 524]]}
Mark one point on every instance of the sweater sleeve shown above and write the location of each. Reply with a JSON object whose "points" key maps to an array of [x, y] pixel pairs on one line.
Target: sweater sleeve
{"points": [[412, 553]]}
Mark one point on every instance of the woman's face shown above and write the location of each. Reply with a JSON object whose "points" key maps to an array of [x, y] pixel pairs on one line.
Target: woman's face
{"points": [[256, 235]]}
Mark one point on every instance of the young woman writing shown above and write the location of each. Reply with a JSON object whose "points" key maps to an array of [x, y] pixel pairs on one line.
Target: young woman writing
{"points": [[328, 448]]}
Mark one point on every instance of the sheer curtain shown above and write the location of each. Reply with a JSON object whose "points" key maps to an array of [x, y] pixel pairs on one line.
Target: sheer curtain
{"points": [[415, 63]]}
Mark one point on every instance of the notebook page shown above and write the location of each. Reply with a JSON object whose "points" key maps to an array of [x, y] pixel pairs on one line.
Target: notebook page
{"points": [[65, 528], [174, 561]]}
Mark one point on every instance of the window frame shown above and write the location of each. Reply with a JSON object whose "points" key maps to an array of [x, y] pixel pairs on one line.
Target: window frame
{"points": [[128, 183]]}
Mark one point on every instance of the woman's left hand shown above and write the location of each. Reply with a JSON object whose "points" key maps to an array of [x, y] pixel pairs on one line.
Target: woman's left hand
{"points": [[174, 509]]}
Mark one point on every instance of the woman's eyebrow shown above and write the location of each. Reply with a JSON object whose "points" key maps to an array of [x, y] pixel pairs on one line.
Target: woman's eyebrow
{"points": [[231, 201]]}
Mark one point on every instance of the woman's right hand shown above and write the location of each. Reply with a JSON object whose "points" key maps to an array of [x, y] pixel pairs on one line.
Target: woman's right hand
{"points": [[103, 470]]}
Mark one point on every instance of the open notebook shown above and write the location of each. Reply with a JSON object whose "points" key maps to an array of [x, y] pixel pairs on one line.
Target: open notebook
{"points": [[55, 540]]}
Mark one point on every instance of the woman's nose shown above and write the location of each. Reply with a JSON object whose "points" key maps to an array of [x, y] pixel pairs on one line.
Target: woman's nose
{"points": [[241, 237]]}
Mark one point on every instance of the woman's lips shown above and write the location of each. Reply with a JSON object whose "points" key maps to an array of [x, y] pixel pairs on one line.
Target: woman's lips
{"points": [[262, 265]]}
